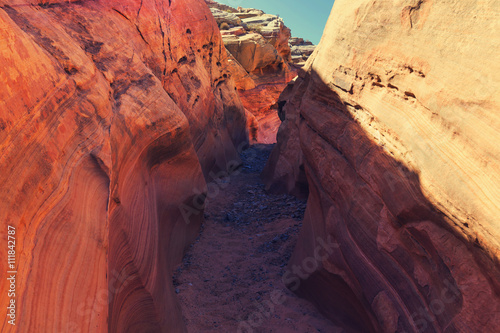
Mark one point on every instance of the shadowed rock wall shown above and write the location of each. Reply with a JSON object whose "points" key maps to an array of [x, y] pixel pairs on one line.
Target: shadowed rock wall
{"points": [[395, 125]]}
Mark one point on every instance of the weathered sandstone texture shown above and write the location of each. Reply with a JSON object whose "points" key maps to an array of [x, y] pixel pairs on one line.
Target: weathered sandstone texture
{"points": [[262, 104], [262, 63], [111, 112], [396, 126], [258, 41]]}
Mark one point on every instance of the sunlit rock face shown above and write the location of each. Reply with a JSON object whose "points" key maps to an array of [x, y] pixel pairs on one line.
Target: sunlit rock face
{"points": [[261, 72], [110, 114], [301, 50], [395, 125], [262, 102], [261, 63]]}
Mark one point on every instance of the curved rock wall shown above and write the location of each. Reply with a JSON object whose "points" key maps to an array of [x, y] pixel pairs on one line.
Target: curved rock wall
{"points": [[396, 124], [110, 114]]}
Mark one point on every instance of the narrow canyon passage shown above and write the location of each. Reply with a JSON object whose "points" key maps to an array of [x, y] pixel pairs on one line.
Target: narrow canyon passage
{"points": [[115, 116], [231, 277]]}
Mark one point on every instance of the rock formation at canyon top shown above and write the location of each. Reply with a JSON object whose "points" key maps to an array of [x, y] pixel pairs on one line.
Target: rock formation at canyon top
{"points": [[111, 113], [395, 125], [263, 59]]}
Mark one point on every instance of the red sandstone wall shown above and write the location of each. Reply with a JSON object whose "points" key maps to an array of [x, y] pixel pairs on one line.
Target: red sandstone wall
{"points": [[110, 113]]}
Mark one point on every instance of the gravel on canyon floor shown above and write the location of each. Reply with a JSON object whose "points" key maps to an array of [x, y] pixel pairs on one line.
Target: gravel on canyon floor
{"points": [[230, 278]]}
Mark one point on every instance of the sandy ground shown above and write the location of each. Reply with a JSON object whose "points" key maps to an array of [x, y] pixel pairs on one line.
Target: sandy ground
{"points": [[230, 279]]}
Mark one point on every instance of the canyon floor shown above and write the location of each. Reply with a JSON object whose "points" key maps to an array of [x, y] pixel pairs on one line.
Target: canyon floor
{"points": [[230, 278]]}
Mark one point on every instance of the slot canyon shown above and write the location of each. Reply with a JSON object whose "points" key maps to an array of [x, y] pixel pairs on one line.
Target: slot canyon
{"points": [[193, 166]]}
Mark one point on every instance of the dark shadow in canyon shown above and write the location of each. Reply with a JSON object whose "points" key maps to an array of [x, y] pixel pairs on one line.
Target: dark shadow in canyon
{"points": [[355, 190], [230, 279]]}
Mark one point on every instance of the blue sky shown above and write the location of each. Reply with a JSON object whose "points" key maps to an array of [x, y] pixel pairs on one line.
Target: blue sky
{"points": [[307, 19]]}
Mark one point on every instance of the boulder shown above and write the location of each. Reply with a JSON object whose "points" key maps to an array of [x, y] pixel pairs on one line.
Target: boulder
{"points": [[222, 16], [303, 50], [252, 51], [296, 41], [236, 31], [242, 80], [263, 19], [248, 12]]}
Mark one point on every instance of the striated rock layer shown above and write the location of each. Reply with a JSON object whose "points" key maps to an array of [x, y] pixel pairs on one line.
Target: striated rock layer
{"points": [[396, 125], [260, 58], [110, 114], [262, 103]]}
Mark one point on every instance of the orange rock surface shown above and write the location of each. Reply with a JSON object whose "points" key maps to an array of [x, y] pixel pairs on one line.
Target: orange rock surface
{"points": [[262, 103], [111, 112], [259, 51], [396, 124]]}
